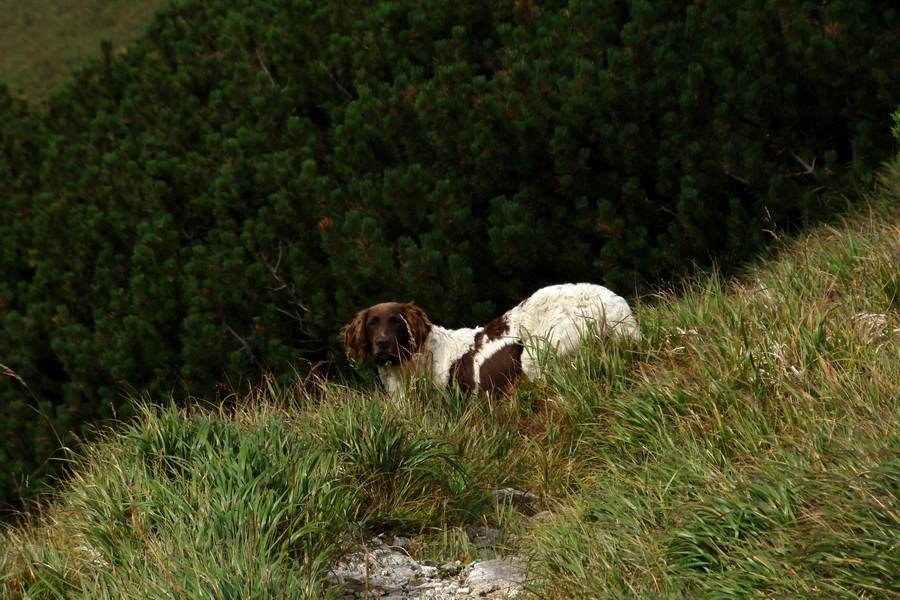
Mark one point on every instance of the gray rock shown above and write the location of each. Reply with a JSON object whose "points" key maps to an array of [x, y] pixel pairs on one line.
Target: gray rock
{"points": [[514, 497], [498, 578], [388, 572]]}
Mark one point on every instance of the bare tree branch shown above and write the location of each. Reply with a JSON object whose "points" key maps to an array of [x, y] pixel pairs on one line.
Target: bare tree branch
{"points": [[809, 168], [296, 309], [264, 68], [336, 82]]}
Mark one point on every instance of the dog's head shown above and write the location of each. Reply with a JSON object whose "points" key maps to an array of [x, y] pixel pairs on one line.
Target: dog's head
{"points": [[390, 332]]}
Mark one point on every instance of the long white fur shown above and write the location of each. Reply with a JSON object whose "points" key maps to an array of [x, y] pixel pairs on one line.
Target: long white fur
{"points": [[554, 319], [557, 318]]}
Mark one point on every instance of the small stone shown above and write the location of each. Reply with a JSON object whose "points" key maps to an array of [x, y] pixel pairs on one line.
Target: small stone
{"points": [[513, 496], [542, 516]]}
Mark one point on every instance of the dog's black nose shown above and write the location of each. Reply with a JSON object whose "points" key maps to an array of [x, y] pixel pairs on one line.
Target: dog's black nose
{"points": [[382, 342]]}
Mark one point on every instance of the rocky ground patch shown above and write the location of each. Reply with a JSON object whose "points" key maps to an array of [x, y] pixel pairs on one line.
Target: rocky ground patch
{"points": [[378, 569], [383, 570]]}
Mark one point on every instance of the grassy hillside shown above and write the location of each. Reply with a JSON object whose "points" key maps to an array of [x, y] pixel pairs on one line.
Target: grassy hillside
{"points": [[749, 447], [216, 202], [45, 40]]}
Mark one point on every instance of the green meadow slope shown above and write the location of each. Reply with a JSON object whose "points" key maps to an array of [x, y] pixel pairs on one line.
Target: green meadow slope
{"points": [[44, 41], [748, 447]]}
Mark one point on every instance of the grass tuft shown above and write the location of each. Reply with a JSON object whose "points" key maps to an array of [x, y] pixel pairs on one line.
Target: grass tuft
{"points": [[189, 504]]}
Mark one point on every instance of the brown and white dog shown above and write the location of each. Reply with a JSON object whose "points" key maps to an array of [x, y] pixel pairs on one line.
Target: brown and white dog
{"points": [[490, 358]]}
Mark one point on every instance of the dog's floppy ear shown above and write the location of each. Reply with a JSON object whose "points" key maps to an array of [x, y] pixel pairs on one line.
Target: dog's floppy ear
{"points": [[354, 334], [418, 325]]}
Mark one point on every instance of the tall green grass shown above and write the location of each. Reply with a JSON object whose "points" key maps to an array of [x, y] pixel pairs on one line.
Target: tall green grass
{"points": [[756, 449], [255, 500], [188, 504], [748, 447]]}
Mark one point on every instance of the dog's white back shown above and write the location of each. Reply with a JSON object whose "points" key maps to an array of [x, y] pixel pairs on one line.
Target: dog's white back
{"points": [[557, 318]]}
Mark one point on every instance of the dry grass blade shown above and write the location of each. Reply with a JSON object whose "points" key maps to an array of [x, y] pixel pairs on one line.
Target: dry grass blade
{"points": [[10, 373]]}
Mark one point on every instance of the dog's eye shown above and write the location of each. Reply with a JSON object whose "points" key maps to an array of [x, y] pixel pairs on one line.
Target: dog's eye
{"points": [[373, 322], [395, 320]]}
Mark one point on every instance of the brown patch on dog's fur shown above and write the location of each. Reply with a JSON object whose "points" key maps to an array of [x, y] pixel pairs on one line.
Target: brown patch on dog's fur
{"points": [[496, 328], [499, 371]]}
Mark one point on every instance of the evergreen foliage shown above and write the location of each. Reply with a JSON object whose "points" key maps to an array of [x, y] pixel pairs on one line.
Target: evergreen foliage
{"points": [[218, 200]]}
